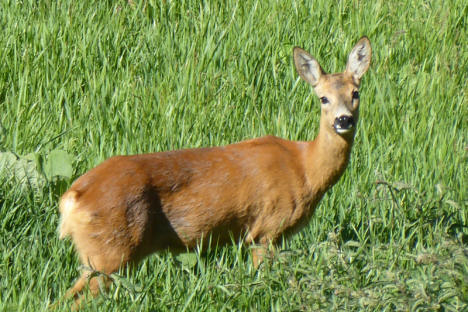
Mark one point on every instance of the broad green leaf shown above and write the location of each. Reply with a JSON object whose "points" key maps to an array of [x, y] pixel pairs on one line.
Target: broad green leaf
{"points": [[58, 164], [24, 170], [188, 259]]}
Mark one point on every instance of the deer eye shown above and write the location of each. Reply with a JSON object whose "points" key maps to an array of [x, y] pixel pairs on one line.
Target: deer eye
{"points": [[324, 100], [355, 95]]}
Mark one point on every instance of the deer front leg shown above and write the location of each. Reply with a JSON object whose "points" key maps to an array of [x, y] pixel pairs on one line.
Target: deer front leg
{"points": [[258, 254], [265, 249]]}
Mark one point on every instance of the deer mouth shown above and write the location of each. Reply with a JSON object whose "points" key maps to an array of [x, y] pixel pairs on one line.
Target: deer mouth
{"points": [[344, 124]]}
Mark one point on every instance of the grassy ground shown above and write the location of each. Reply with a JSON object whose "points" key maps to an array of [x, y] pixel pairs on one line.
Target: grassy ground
{"points": [[99, 78]]}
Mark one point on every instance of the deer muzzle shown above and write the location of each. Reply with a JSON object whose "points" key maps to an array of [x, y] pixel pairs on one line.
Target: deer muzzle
{"points": [[344, 124]]}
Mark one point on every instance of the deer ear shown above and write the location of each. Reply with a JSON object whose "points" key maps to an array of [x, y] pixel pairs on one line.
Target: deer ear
{"points": [[359, 59], [307, 66]]}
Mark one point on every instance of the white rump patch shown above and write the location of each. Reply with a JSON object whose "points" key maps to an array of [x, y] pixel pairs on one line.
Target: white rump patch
{"points": [[67, 205]]}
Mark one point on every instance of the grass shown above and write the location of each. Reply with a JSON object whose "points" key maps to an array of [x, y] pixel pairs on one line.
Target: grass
{"points": [[100, 78]]}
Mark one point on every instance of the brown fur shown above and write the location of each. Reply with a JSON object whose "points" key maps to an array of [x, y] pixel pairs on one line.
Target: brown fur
{"points": [[257, 190]]}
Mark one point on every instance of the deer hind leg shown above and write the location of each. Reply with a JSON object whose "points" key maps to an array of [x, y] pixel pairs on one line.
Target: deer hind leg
{"points": [[95, 279], [100, 257], [95, 283], [104, 244], [74, 291]]}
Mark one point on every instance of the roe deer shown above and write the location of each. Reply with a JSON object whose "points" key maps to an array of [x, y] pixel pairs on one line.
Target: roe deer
{"points": [[255, 191]]}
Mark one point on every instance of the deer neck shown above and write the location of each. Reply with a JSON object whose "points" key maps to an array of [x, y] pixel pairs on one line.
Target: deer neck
{"points": [[325, 160]]}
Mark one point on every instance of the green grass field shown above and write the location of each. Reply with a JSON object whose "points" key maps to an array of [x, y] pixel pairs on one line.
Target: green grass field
{"points": [[100, 78]]}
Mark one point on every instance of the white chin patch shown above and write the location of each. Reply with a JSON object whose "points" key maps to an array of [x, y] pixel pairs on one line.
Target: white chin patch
{"points": [[342, 130]]}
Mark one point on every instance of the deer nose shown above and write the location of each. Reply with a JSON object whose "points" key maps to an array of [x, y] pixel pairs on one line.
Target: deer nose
{"points": [[343, 124]]}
